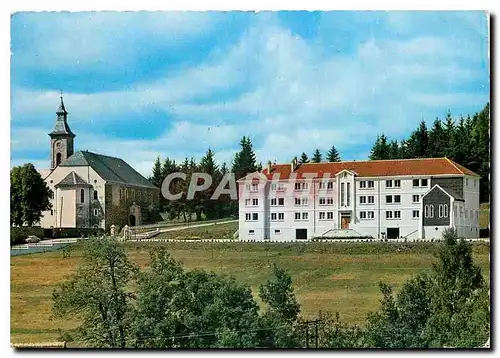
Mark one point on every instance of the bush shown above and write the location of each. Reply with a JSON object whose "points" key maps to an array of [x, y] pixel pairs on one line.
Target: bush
{"points": [[19, 234]]}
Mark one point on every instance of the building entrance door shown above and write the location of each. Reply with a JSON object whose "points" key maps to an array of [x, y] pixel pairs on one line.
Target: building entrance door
{"points": [[345, 220]]}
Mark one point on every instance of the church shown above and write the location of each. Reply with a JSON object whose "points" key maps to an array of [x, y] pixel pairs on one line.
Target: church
{"points": [[90, 190]]}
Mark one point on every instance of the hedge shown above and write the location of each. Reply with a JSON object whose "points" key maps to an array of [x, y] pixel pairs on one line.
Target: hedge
{"points": [[65, 232], [19, 234]]}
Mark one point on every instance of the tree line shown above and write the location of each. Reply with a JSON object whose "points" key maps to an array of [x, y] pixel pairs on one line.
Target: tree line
{"points": [[168, 306], [465, 140]]}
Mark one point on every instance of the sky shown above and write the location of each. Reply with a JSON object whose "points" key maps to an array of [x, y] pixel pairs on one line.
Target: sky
{"points": [[142, 84]]}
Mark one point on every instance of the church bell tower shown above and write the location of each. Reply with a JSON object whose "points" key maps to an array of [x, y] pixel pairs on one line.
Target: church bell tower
{"points": [[61, 138]]}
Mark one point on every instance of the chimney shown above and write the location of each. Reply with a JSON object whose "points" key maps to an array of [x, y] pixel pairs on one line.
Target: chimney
{"points": [[294, 164], [269, 164]]}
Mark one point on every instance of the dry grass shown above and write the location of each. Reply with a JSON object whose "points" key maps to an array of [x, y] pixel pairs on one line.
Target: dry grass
{"points": [[332, 277]]}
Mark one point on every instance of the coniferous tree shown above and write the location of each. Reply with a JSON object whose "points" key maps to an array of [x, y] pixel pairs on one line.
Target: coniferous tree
{"points": [[380, 149], [304, 158], [437, 140], [244, 161], [317, 157], [394, 150], [333, 155]]}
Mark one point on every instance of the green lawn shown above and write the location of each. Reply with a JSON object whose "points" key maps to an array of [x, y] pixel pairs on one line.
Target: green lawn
{"points": [[333, 277]]}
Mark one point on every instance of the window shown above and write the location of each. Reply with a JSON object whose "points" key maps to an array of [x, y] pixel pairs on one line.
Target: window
{"points": [[371, 184], [247, 202], [255, 187], [301, 186], [273, 202], [388, 199], [82, 196], [255, 216], [96, 212], [416, 198], [330, 185], [255, 202], [397, 199], [362, 214], [466, 182], [362, 199], [440, 210], [397, 214], [397, 183], [431, 211], [371, 215], [273, 186], [329, 201], [342, 194], [348, 194], [388, 214], [305, 216], [277, 232], [424, 182], [416, 183], [297, 216], [51, 212], [277, 187], [362, 184], [251, 232], [388, 183], [322, 201], [281, 201], [322, 215], [327, 184], [329, 215], [466, 214], [248, 217], [300, 201], [277, 216], [474, 182], [445, 210], [58, 159], [371, 199], [426, 211], [415, 214]]}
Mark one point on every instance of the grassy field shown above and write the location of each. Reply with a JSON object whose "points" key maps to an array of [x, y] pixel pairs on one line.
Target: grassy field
{"points": [[484, 215], [334, 277]]}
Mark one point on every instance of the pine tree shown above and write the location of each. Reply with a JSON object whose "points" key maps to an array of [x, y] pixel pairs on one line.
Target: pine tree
{"points": [[244, 161], [380, 149], [316, 158], [449, 136], [394, 150], [157, 175], [304, 158], [419, 142], [437, 143], [333, 155]]}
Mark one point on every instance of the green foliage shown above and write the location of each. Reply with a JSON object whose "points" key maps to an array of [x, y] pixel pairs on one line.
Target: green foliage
{"points": [[244, 161], [466, 141], [97, 294], [333, 155], [303, 158], [333, 333], [317, 156], [29, 196], [448, 308]]}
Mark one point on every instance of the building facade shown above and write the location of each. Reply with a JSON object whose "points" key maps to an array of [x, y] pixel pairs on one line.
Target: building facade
{"points": [[90, 190], [414, 199]]}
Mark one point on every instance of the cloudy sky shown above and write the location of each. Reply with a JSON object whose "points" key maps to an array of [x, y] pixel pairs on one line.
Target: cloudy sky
{"points": [[138, 85]]}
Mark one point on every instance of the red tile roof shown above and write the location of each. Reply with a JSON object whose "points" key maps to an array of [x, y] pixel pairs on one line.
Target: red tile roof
{"points": [[375, 168]]}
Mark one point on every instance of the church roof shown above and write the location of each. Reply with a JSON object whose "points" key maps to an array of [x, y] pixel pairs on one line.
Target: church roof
{"points": [[109, 168], [72, 179], [62, 126]]}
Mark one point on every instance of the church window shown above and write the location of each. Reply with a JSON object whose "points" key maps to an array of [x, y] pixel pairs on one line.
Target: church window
{"points": [[95, 194], [58, 159], [82, 196]]}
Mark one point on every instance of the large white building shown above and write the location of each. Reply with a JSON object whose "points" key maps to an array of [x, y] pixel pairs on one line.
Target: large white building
{"points": [[414, 199]]}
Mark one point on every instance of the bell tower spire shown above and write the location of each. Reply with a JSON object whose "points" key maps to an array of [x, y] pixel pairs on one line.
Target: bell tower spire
{"points": [[61, 138]]}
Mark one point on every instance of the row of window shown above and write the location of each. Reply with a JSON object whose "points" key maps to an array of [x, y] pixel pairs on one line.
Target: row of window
{"points": [[95, 212], [323, 215], [442, 211], [135, 194]]}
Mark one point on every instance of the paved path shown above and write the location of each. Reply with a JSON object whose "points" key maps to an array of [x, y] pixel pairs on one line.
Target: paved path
{"points": [[148, 235]]}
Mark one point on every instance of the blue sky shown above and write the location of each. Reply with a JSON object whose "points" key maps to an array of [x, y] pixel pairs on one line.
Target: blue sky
{"points": [[138, 85]]}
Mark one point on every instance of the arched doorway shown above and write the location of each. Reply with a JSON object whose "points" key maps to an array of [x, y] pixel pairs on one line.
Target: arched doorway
{"points": [[131, 220]]}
